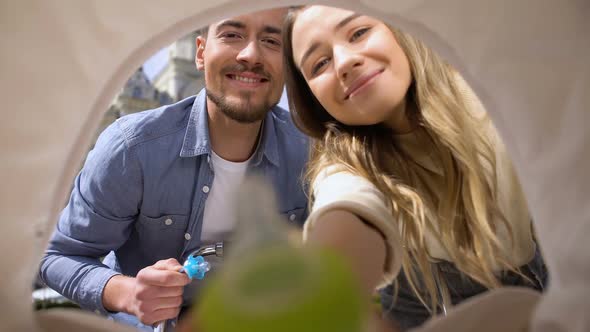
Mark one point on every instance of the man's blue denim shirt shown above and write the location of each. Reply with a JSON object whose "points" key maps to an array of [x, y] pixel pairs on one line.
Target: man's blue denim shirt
{"points": [[141, 194]]}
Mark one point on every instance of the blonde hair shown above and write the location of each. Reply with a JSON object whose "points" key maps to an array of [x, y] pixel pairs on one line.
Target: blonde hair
{"points": [[463, 144]]}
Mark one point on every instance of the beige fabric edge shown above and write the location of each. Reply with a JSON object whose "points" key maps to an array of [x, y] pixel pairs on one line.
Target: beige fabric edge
{"points": [[505, 309]]}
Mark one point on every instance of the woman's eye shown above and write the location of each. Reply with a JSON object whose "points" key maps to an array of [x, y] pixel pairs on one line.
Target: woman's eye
{"points": [[318, 66], [359, 33]]}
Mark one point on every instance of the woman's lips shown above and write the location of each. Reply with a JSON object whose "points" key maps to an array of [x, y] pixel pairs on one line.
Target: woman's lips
{"points": [[361, 82]]}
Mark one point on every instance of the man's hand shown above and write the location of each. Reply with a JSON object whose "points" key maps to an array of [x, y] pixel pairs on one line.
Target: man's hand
{"points": [[154, 295], [157, 294]]}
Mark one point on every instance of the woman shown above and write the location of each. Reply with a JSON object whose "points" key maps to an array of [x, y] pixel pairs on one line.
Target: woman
{"points": [[407, 176]]}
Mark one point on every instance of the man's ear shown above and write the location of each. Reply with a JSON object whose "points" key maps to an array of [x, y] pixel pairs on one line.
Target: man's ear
{"points": [[199, 54]]}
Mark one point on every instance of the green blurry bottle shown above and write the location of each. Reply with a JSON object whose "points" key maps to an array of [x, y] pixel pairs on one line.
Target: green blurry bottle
{"points": [[269, 285]]}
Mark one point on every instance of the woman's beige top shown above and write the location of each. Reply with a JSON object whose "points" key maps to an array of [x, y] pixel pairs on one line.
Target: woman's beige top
{"points": [[336, 188]]}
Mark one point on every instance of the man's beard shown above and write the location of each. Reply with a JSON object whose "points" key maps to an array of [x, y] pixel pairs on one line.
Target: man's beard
{"points": [[243, 111]]}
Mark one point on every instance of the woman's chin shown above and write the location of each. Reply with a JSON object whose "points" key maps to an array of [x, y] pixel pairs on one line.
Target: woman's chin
{"points": [[362, 120]]}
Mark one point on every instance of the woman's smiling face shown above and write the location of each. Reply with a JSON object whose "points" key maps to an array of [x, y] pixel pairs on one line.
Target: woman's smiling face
{"points": [[352, 64]]}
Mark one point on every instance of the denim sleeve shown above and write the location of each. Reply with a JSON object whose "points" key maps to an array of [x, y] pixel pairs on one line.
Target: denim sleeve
{"points": [[97, 219]]}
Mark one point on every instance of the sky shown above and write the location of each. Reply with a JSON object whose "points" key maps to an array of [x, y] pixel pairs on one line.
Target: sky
{"points": [[156, 63]]}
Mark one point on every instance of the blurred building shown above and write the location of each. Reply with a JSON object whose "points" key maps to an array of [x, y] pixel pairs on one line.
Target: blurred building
{"points": [[178, 79]]}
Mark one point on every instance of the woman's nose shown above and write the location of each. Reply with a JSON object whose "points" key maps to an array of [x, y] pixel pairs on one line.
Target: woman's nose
{"points": [[346, 61]]}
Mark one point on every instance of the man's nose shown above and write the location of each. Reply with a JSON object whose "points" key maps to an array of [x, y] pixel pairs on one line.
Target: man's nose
{"points": [[346, 61], [250, 54]]}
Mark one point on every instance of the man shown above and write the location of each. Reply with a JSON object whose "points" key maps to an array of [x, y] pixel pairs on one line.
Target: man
{"points": [[160, 184]]}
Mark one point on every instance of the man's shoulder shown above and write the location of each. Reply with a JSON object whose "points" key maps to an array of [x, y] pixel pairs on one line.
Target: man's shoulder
{"points": [[152, 124]]}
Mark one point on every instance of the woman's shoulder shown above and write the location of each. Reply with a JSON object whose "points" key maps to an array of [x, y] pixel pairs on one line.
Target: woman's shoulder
{"points": [[336, 173], [339, 181]]}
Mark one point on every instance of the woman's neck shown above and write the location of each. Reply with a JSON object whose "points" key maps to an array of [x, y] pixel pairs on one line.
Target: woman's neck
{"points": [[399, 122]]}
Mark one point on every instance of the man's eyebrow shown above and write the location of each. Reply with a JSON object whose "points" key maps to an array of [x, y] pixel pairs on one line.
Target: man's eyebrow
{"points": [[229, 23], [315, 45], [272, 29]]}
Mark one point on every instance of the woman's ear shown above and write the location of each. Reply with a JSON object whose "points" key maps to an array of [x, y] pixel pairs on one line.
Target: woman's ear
{"points": [[199, 54]]}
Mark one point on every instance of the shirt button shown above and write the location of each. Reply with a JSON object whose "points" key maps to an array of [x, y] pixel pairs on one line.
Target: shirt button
{"points": [[292, 217], [205, 189], [168, 222], [187, 236]]}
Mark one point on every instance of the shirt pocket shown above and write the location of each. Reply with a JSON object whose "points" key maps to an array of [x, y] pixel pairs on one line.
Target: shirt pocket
{"points": [[162, 237], [295, 216]]}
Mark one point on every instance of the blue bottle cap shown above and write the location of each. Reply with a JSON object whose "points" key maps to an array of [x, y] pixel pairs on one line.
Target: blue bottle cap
{"points": [[196, 267]]}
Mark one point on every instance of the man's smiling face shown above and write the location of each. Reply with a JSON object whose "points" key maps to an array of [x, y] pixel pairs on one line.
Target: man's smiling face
{"points": [[242, 61]]}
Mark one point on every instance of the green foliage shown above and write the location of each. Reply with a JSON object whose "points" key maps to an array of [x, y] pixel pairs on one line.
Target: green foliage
{"points": [[283, 289]]}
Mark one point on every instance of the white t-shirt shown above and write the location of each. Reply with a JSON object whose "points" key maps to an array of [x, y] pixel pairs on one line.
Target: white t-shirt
{"points": [[219, 217]]}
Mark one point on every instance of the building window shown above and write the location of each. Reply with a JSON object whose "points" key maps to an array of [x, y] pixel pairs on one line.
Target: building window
{"points": [[136, 92]]}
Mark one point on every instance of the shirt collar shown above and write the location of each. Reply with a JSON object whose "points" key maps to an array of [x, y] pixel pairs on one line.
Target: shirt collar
{"points": [[267, 145], [196, 139]]}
